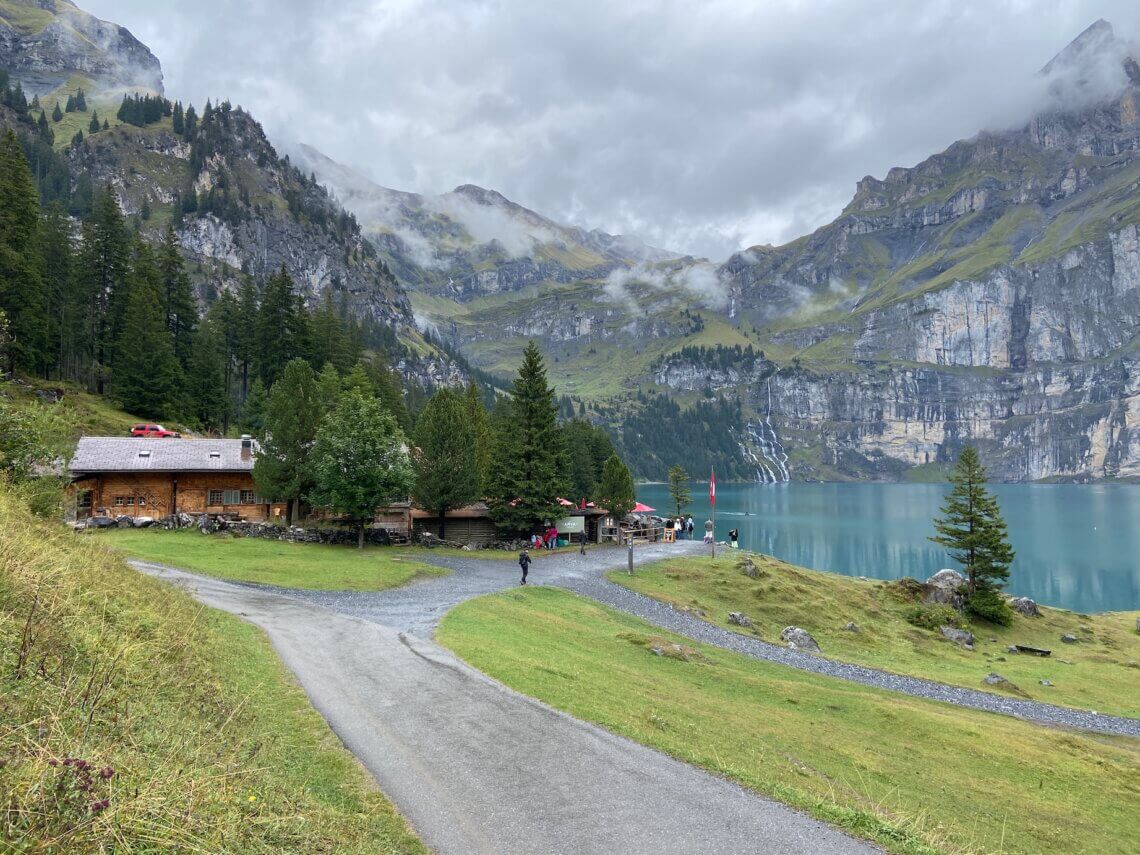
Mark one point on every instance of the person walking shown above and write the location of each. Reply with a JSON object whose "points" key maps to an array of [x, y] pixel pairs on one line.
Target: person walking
{"points": [[524, 563]]}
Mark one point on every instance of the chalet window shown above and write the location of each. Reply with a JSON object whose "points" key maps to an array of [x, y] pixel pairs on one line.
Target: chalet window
{"points": [[130, 501], [142, 501], [248, 497], [119, 501], [215, 498], [83, 499], [232, 497]]}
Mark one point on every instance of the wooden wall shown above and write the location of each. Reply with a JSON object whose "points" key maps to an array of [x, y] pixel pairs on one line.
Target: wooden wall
{"points": [[152, 494]]}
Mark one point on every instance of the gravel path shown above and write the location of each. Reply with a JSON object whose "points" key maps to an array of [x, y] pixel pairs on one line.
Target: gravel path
{"points": [[420, 606], [479, 768]]}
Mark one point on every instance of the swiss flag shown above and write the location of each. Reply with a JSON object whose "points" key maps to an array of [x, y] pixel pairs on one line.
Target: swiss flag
{"points": [[712, 488]]}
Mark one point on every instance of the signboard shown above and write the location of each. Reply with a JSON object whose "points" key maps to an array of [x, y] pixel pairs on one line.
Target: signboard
{"points": [[571, 525]]}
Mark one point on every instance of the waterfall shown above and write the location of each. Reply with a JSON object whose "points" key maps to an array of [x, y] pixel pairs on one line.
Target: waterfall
{"points": [[762, 448]]}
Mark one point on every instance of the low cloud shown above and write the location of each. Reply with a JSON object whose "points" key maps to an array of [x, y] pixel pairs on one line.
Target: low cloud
{"points": [[698, 281]]}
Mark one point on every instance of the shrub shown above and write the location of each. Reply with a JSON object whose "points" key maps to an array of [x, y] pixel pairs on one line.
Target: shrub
{"points": [[932, 616], [906, 589], [989, 605]]}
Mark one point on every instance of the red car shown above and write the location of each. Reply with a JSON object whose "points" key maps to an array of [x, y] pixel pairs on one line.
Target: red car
{"points": [[152, 431]]}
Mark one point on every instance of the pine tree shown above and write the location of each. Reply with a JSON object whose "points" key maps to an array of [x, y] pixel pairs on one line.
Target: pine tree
{"points": [[57, 113], [93, 126], [65, 304], [23, 295], [359, 462], [389, 390], [252, 417], [178, 119], [529, 460], [973, 531], [178, 296], [81, 101], [206, 383], [147, 378], [106, 125], [70, 108], [615, 490], [292, 416], [679, 488], [445, 459], [191, 123], [244, 347], [275, 328]]}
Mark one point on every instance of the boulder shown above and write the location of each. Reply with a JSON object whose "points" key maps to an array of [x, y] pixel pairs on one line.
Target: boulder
{"points": [[1011, 649], [851, 626], [143, 522], [1069, 639], [959, 636], [101, 522], [739, 619], [1045, 682], [1025, 606], [799, 639], [995, 679], [945, 587], [748, 568]]}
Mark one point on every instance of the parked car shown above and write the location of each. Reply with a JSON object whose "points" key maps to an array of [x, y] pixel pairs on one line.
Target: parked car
{"points": [[150, 430]]}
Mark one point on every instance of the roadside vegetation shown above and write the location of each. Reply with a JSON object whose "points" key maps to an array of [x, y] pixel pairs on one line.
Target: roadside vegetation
{"points": [[913, 775], [134, 719], [1101, 671], [312, 566]]}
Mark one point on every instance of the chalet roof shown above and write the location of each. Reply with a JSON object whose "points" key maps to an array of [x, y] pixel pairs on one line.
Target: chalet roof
{"points": [[138, 454]]}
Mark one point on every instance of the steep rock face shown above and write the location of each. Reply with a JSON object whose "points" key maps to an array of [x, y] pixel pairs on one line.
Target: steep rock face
{"points": [[989, 295], [44, 42]]}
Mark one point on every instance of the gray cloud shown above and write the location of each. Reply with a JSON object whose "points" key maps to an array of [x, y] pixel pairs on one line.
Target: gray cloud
{"points": [[700, 126]]}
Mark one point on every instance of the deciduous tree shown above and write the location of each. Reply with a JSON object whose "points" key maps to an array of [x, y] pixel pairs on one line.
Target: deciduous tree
{"points": [[445, 456]]}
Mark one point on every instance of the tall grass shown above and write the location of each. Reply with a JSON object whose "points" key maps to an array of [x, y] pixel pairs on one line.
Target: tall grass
{"points": [[132, 719]]}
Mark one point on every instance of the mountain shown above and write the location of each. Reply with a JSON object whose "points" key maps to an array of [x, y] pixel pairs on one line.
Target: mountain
{"points": [[472, 242], [44, 43], [990, 295]]}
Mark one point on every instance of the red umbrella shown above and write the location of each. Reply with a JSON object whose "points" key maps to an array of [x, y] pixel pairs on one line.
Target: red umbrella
{"points": [[639, 508], [566, 503]]}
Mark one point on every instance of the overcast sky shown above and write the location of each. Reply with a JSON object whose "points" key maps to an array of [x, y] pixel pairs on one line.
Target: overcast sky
{"points": [[701, 126]]}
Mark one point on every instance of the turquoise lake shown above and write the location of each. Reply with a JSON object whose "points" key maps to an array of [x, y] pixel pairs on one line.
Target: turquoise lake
{"points": [[1078, 546]]}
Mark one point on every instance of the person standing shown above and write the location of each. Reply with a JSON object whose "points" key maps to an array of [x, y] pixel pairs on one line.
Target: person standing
{"points": [[689, 527], [524, 563], [708, 531], [734, 538], [678, 529]]}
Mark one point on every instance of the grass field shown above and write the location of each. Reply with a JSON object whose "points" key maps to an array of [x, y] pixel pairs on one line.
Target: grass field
{"points": [[913, 775], [1101, 672], [316, 567], [196, 737]]}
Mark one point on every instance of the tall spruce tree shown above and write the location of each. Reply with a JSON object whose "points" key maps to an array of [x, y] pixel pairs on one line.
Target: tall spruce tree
{"points": [[178, 119], [206, 377], [102, 266], [147, 379], [974, 533], [178, 296], [529, 460], [445, 457], [94, 126], [23, 296], [615, 490], [243, 345], [679, 489], [57, 113], [276, 327], [65, 305], [484, 437]]}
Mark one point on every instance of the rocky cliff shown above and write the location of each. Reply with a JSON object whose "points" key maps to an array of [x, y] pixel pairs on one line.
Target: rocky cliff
{"points": [[44, 42]]}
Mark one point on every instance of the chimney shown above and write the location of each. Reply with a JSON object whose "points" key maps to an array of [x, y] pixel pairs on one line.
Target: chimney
{"points": [[246, 446]]}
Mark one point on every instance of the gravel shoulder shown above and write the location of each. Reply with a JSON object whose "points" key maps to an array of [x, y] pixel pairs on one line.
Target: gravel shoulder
{"points": [[477, 767]]}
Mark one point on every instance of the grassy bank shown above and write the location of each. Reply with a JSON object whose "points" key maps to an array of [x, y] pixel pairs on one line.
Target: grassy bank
{"points": [[914, 775], [192, 736], [1100, 672], [314, 566]]}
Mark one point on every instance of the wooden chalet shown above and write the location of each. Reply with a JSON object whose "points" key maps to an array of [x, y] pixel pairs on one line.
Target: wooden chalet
{"points": [[138, 477]]}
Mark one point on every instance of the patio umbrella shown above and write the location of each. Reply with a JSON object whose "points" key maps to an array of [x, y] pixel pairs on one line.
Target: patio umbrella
{"points": [[639, 508]]}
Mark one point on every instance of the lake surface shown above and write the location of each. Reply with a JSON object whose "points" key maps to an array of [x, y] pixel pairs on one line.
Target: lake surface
{"points": [[1078, 546]]}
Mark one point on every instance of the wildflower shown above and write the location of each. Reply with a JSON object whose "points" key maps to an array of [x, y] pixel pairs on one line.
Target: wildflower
{"points": [[253, 798], [106, 773], [100, 805]]}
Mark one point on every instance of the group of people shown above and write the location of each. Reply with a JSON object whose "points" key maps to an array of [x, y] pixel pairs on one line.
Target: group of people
{"points": [[545, 539], [681, 526]]}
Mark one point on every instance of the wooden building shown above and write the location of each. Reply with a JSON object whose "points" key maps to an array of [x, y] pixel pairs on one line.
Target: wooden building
{"points": [[137, 477]]}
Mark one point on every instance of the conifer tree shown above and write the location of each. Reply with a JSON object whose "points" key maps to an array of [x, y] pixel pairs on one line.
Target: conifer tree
{"points": [[102, 268], [445, 457], [70, 108], [223, 315], [974, 533], [81, 101], [359, 462], [178, 296], [23, 296], [275, 329], [147, 378], [57, 113], [106, 125], [244, 346], [93, 127], [252, 414], [679, 488], [65, 305], [389, 390], [178, 119], [615, 490], [529, 457], [191, 123], [206, 384]]}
